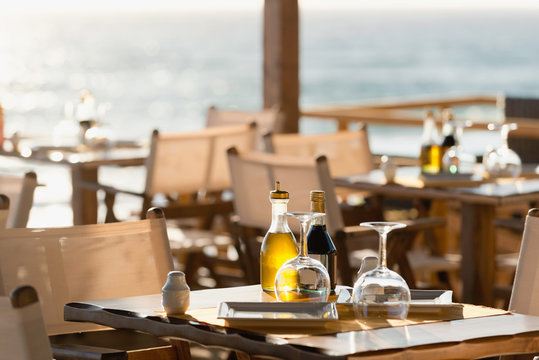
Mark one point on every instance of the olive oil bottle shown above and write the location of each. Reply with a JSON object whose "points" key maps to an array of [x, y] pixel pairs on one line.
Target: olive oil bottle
{"points": [[279, 244], [430, 148]]}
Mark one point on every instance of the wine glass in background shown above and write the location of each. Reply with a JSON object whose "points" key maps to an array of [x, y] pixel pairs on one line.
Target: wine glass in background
{"points": [[381, 292], [502, 161], [67, 131], [100, 133], [456, 160], [302, 278]]}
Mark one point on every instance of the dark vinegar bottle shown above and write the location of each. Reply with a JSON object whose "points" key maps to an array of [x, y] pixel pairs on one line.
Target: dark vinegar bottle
{"points": [[319, 243]]}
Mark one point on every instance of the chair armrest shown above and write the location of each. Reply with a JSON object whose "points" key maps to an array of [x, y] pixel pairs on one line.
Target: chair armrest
{"points": [[90, 185], [411, 226], [399, 242]]}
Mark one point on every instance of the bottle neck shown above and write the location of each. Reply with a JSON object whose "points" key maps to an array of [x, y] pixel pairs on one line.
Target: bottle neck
{"points": [[279, 224], [319, 207], [430, 133]]}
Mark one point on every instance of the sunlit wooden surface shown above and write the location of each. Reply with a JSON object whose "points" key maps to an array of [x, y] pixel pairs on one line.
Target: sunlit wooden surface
{"points": [[469, 338]]}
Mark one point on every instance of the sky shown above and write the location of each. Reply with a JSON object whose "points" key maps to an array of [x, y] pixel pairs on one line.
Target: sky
{"points": [[224, 5]]}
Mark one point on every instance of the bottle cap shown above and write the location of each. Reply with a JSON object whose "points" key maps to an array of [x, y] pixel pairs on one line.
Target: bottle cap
{"points": [[278, 193], [317, 195], [428, 113]]}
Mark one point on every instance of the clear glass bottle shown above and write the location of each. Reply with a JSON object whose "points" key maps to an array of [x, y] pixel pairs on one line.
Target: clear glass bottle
{"points": [[430, 146], [448, 132], [279, 244], [319, 244]]}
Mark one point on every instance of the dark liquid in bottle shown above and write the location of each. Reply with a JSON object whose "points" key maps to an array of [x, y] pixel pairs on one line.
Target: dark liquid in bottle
{"points": [[321, 247]]}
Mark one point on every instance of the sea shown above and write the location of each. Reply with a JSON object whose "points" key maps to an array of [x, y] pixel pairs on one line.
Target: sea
{"points": [[164, 69]]}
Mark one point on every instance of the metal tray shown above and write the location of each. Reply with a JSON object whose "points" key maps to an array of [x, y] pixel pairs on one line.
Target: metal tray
{"points": [[278, 314]]}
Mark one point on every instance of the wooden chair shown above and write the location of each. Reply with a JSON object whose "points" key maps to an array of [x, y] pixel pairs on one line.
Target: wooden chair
{"points": [[4, 210], [189, 170], [253, 177], [22, 330], [267, 120], [523, 110], [87, 262], [525, 294], [348, 153], [20, 191]]}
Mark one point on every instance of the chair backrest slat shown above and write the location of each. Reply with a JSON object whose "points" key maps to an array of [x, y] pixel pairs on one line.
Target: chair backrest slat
{"points": [[85, 262], [267, 120], [347, 152], [186, 163], [254, 175], [525, 294]]}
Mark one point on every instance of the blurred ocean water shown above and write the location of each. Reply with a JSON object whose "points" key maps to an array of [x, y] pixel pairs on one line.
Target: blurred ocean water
{"points": [[162, 70]]}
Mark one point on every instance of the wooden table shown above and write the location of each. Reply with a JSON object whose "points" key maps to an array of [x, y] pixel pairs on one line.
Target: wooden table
{"points": [[469, 338], [84, 163], [478, 211]]}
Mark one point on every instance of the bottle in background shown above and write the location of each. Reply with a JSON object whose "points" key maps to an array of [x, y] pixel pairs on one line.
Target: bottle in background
{"points": [[319, 244], [279, 244], [430, 157], [448, 132]]}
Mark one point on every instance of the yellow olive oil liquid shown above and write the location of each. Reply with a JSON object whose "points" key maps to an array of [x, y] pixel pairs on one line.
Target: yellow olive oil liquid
{"points": [[276, 249]]}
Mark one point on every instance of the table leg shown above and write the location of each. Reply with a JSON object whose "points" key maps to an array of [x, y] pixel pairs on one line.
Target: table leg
{"points": [[478, 253], [83, 201]]}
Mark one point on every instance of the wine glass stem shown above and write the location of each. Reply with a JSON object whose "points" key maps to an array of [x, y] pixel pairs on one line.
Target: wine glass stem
{"points": [[382, 253], [504, 132], [303, 238]]}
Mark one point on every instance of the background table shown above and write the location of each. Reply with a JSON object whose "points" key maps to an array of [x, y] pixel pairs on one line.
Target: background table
{"points": [[469, 338], [479, 204], [84, 163]]}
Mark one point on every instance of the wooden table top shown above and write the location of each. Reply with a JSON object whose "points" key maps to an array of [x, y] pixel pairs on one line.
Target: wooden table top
{"points": [[475, 190], [123, 153], [468, 338]]}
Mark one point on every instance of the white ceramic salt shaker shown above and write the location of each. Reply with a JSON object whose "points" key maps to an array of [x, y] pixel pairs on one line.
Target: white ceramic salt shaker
{"points": [[389, 168], [175, 296]]}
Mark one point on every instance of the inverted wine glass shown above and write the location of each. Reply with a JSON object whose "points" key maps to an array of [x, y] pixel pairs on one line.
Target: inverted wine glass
{"points": [[456, 160], [381, 293], [502, 161], [302, 278]]}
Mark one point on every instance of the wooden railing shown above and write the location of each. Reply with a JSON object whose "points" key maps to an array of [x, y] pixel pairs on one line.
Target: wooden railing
{"points": [[404, 113]]}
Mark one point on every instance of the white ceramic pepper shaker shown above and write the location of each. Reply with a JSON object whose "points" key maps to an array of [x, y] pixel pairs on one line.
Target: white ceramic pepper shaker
{"points": [[175, 296], [389, 168]]}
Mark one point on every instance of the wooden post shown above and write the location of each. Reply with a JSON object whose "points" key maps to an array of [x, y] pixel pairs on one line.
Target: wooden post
{"points": [[281, 59]]}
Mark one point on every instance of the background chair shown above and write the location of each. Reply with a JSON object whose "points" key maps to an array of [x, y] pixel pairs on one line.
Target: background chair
{"points": [[4, 210], [186, 174], [20, 191], [267, 120], [253, 177], [347, 152], [87, 262], [523, 109]]}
